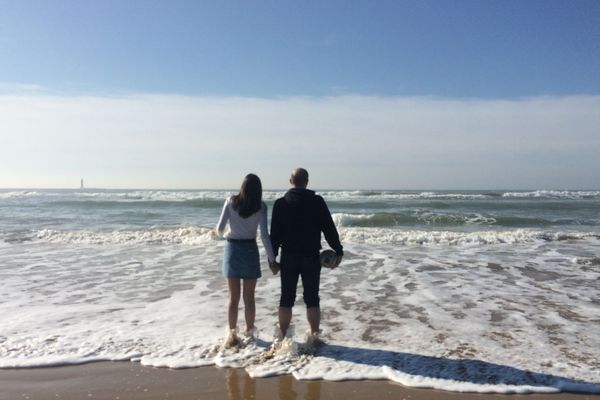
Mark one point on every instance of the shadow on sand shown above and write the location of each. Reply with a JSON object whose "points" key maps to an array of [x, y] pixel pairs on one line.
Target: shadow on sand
{"points": [[462, 370]]}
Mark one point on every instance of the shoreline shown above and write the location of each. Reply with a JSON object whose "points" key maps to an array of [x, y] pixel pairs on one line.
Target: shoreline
{"points": [[123, 380]]}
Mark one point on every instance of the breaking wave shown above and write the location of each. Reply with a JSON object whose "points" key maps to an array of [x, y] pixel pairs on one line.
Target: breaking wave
{"points": [[417, 237], [269, 195], [187, 235], [203, 236], [382, 220], [555, 194], [398, 219]]}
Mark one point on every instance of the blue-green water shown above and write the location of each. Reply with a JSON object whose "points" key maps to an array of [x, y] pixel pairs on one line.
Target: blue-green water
{"points": [[25, 213]]}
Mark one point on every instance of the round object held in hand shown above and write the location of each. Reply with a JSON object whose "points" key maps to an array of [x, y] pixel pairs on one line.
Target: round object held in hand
{"points": [[327, 258]]}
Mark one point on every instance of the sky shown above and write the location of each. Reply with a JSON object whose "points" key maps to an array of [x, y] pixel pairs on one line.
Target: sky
{"points": [[423, 94]]}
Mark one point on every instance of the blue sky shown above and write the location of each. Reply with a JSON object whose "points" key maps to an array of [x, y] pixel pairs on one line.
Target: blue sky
{"points": [[145, 56], [461, 48]]}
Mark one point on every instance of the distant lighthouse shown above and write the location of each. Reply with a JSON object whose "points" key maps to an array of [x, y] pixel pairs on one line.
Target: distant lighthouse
{"points": [[81, 187]]}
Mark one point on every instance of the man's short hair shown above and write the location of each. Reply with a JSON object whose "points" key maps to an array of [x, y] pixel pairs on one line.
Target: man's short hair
{"points": [[299, 177]]}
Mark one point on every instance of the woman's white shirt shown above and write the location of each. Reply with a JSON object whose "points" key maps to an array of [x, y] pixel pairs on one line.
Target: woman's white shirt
{"points": [[245, 228]]}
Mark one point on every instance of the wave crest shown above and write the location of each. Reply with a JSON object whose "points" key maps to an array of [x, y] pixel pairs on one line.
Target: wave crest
{"points": [[201, 235], [381, 220], [555, 194], [186, 235], [269, 195], [394, 236]]}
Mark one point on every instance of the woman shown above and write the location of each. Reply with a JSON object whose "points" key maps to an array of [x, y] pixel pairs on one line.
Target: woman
{"points": [[244, 212]]}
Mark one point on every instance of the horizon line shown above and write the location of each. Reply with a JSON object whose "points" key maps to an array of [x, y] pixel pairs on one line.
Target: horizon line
{"points": [[309, 188]]}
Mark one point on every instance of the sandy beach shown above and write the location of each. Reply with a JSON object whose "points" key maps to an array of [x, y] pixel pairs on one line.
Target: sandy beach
{"points": [[126, 380]]}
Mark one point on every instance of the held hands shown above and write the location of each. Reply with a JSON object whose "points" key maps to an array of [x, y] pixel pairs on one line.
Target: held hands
{"points": [[275, 267]]}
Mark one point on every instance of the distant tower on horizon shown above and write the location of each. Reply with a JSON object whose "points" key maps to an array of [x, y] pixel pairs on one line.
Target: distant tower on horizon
{"points": [[81, 187]]}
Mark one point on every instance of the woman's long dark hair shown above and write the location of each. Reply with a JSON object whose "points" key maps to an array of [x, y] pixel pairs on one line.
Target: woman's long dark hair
{"points": [[249, 200]]}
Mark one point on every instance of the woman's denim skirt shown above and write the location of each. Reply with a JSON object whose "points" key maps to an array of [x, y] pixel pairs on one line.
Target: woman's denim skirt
{"points": [[241, 260]]}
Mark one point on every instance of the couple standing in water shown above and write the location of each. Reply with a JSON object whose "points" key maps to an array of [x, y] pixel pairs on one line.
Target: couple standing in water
{"points": [[297, 221]]}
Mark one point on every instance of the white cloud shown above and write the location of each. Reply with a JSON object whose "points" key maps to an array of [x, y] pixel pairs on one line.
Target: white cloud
{"points": [[11, 88], [346, 142]]}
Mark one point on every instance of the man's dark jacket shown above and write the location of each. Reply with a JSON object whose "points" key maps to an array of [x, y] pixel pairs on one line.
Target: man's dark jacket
{"points": [[297, 221]]}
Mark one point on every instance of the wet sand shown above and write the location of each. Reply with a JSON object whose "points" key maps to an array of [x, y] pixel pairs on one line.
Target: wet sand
{"points": [[126, 380]]}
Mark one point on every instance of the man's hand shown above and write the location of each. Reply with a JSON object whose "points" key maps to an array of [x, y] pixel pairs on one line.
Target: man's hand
{"points": [[275, 267], [338, 260]]}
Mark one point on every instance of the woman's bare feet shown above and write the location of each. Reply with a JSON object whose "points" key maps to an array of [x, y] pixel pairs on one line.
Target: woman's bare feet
{"points": [[231, 340]]}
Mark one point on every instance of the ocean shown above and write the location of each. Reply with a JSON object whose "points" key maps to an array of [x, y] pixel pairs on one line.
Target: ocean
{"points": [[481, 291]]}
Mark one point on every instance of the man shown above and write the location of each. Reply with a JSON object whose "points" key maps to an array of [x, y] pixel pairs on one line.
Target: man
{"points": [[297, 221]]}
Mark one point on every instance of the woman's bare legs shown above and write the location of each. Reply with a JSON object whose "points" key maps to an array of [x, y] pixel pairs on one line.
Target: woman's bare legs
{"points": [[249, 306], [234, 301]]}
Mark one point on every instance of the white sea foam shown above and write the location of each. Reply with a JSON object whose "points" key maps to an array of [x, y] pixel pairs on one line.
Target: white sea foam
{"points": [[455, 238], [419, 315], [130, 195], [346, 219], [202, 235], [19, 194], [163, 236], [478, 219], [396, 195], [398, 219], [558, 194], [269, 195]]}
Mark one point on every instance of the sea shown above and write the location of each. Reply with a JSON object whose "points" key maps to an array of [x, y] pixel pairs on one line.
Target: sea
{"points": [[472, 291]]}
